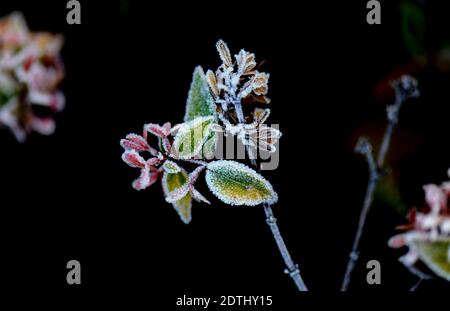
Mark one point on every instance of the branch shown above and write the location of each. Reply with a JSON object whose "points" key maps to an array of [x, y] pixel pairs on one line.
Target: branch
{"points": [[291, 268], [405, 88]]}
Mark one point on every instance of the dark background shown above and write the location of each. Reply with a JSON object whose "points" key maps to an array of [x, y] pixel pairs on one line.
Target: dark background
{"points": [[69, 196]]}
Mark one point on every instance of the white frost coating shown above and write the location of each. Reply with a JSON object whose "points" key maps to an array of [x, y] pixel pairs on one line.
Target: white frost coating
{"points": [[171, 167], [204, 91], [244, 170], [177, 194], [198, 196], [175, 205], [224, 53], [185, 129]]}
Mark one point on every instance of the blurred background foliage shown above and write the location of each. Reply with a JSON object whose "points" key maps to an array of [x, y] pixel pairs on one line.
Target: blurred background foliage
{"points": [[421, 40]]}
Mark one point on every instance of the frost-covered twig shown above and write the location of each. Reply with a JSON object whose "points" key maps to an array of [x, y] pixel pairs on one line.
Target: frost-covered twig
{"points": [[215, 105], [291, 268], [405, 88]]}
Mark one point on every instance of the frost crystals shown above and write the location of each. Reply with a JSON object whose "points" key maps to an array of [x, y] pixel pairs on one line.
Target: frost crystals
{"points": [[237, 82], [237, 184], [191, 137]]}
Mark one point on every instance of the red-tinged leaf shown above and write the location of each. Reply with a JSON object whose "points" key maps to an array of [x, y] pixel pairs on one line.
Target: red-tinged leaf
{"points": [[166, 145], [149, 175], [135, 142], [166, 128], [153, 161], [133, 159], [157, 130]]}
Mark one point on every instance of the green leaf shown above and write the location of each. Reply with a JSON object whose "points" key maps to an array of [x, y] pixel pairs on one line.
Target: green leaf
{"points": [[200, 102], [413, 27], [183, 206], [436, 256], [3, 98], [236, 184], [191, 137]]}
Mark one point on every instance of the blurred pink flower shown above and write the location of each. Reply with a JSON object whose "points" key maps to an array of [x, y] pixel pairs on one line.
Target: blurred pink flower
{"points": [[30, 73], [429, 224]]}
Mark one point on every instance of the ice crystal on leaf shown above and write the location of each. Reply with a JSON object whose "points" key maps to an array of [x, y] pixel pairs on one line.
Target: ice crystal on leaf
{"points": [[236, 184], [210, 145], [183, 206], [224, 53], [191, 137], [30, 71], [171, 167], [238, 81], [188, 187], [428, 233], [200, 102], [255, 134], [149, 174], [179, 190]]}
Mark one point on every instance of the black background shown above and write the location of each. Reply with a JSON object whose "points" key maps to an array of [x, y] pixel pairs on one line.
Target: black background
{"points": [[69, 196]]}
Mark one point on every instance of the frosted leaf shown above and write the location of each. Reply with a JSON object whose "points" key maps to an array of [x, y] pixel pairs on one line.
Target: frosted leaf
{"points": [[245, 61], [183, 206], [153, 161], [198, 196], [148, 177], [212, 82], [165, 145], [158, 130], [435, 256], [237, 184], [209, 147], [260, 83], [149, 174], [177, 194], [200, 102], [133, 159], [171, 167], [261, 115], [134, 142], [193, 176], [224, 53], [191, 137]]}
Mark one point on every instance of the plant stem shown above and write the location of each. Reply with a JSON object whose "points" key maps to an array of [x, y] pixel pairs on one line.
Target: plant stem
{"points": [[405, 87], [414, 288], [365, 148], [291, 268]]}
